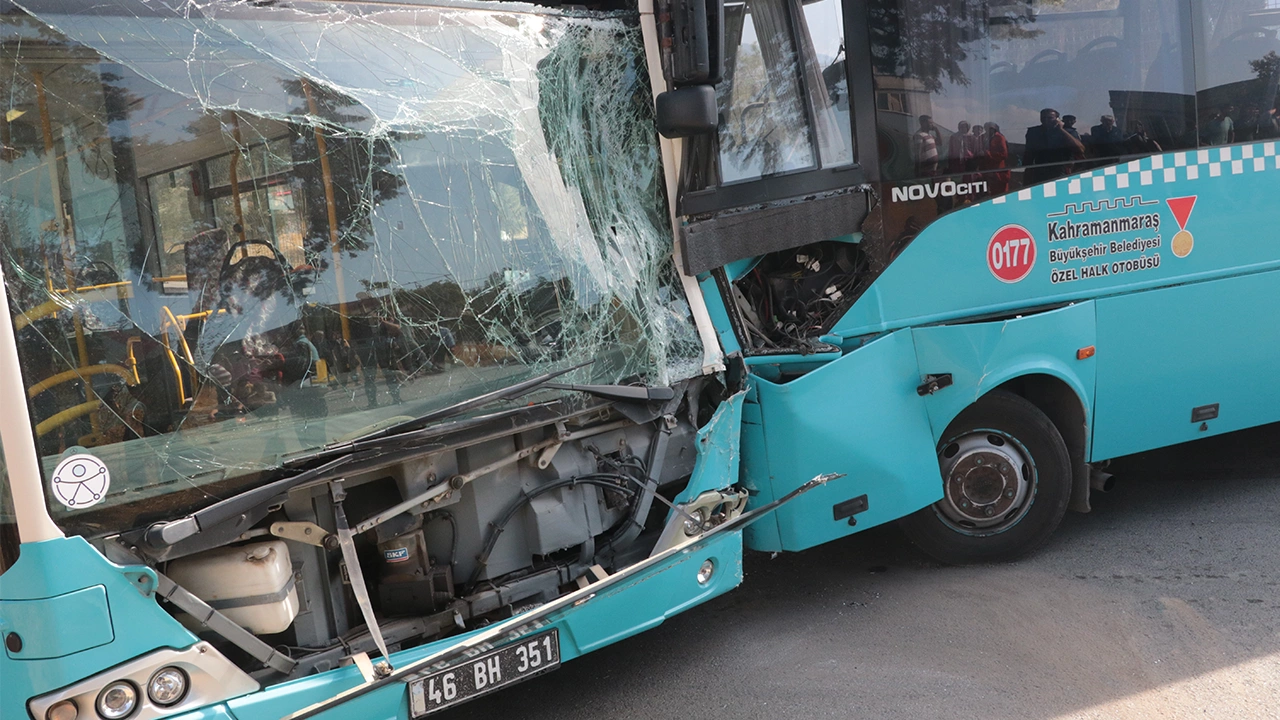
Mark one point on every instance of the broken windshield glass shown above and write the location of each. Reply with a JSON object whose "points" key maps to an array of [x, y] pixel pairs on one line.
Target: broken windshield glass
{"points": [[235, 232]]}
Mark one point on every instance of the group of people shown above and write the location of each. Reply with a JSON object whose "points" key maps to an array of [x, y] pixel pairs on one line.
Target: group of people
{"points": [[1225, 125], [973, 148], [1056, 147]]}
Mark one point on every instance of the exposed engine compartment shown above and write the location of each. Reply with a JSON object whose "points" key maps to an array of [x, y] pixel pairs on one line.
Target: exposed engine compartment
{"points": [[522, 509], [791, 297]]}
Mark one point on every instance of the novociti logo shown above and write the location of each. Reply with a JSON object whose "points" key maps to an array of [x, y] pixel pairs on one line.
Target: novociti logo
{"points": [[1011, 253]]}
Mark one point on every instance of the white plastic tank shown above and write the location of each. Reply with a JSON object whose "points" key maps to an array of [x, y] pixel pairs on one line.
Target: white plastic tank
{"points": [[251, 584]]}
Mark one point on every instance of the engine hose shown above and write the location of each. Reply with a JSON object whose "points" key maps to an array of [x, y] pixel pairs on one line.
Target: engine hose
{"points": [[604, 480], [453, 537]]}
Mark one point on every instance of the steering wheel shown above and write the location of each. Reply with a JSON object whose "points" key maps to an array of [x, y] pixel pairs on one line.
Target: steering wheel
{"points": [[258, 276]]}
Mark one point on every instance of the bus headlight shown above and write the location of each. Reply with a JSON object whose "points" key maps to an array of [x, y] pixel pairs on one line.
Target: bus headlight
{"points": [[117, 700], [167, 686]]}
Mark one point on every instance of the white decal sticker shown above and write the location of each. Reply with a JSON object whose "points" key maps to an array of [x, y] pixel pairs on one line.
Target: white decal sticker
{"points": [[80, 481]]}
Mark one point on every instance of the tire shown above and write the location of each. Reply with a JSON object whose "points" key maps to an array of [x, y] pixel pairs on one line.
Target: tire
{"points": [[1006, 477]]}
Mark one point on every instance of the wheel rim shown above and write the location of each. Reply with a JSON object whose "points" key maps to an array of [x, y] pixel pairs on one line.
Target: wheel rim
{"points": [[989, 481]]}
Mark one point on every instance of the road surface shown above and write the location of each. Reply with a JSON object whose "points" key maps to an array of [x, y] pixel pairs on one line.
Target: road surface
{"points": [[1164, 602]]}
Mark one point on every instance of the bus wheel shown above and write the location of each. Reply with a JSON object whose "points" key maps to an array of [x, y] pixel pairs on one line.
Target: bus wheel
{"points": [[1006, 480]]}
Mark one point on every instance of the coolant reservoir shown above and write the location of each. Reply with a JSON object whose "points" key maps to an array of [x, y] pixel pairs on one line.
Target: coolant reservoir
{"points": [[251, 584]]}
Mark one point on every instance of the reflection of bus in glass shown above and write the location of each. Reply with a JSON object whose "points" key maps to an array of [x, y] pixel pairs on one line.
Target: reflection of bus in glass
{"points": [[363, 379]]}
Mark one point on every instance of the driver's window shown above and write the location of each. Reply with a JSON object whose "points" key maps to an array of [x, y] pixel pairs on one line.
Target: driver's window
{"points": [[785, 90]]}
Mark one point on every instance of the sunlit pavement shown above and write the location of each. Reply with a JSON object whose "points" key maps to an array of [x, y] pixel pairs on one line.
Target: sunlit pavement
{"points": [[1162, 603]]}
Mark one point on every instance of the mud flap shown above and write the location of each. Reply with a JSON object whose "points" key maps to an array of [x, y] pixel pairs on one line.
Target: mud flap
{"points": [[860, 415]]}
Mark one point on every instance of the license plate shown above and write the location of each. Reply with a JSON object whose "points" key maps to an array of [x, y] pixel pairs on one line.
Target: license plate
{"points": [[485, 673]]}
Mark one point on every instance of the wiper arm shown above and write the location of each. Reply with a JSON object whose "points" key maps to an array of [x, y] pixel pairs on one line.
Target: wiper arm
{"points": [[165, 534], [622, 393], [507, 393], [168, 533]]}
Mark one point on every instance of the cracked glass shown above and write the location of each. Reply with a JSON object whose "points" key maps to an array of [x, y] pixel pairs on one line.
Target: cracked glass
{"points": [[233, 232]]}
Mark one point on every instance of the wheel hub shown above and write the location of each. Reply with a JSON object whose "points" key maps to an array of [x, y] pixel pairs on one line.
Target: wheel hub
{"points": [[986, 480]]}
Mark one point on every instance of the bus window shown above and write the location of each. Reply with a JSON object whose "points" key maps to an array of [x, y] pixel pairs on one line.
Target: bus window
{"points": [[764, 129], [783, 92], [1239, 71], [786, 131], [1053, 87]]}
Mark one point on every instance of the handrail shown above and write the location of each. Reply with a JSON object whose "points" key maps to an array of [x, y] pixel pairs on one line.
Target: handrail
{"points": [[80, 374], [186, 349], [57, 420], [58, 304], [173, 358], [132, 359], [41, 311], [88, 288]]}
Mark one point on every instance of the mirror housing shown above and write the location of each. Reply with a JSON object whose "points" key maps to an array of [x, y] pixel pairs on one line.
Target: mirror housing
{"points": [[687, 111], [691, 35]]}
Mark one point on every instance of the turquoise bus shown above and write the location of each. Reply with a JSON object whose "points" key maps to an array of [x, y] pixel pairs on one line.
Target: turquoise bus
{"points": [[379, 355]]}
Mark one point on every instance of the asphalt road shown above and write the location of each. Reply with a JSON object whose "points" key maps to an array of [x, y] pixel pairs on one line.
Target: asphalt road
{"points": [[1164, 602]]}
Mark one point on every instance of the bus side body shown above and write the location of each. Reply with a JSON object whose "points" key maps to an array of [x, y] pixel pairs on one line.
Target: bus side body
{"points": [[1120, 285], [1157, 350]]}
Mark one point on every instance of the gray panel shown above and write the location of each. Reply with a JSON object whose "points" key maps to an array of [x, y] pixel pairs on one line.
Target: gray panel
{"points": [[712, 240]]}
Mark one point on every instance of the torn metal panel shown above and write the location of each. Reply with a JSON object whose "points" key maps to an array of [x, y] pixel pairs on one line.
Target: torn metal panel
{"points": [[234, 233]]}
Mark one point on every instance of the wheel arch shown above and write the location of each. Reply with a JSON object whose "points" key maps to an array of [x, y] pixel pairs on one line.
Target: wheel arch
{"points": [[1067, 409]]}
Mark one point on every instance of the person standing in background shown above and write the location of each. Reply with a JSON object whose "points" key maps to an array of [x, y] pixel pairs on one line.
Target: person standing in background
{"points": [[1106, 139], [959, 149], [996, 158], [924, 148]]}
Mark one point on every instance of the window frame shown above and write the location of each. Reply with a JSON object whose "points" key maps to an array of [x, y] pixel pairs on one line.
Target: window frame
{"points": [[863, 169]]}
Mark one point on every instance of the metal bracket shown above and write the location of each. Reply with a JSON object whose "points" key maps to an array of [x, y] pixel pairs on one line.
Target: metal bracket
{"points": [[303, 532], [222, 625], [933, 383], [346, 541]]}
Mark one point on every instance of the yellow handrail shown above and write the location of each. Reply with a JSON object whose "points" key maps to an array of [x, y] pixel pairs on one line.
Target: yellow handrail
{"points": [[79, 374], [186, 349], [43, 310], [173, 358], [56, 305], [88, 288], [132, 359], [44, 427]]}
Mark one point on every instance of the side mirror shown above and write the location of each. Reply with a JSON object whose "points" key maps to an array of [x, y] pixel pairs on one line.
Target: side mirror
{"points": [[691, 33], [687, 111]]}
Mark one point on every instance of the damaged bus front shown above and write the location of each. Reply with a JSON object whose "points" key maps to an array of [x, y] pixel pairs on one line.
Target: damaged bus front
{"points": [[358, 367]]}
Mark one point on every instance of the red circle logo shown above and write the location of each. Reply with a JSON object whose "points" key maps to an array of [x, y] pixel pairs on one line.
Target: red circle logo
{"points": [[1011, 253]]}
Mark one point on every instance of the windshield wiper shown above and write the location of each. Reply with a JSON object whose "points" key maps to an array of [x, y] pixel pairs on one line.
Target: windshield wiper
{"points": [[168, 533], [507, 393], [165, 534], [621, 393]]}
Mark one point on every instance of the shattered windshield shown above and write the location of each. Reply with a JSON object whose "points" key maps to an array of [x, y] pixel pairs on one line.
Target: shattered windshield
{"points": [[233, 232]]}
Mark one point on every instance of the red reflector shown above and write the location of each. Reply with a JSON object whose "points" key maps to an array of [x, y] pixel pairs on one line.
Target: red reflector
{"points": [[1085, 353]]}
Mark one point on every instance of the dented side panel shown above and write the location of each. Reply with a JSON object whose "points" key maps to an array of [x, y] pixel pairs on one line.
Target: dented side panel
{"points": [[981, 356], [858, 415]]}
